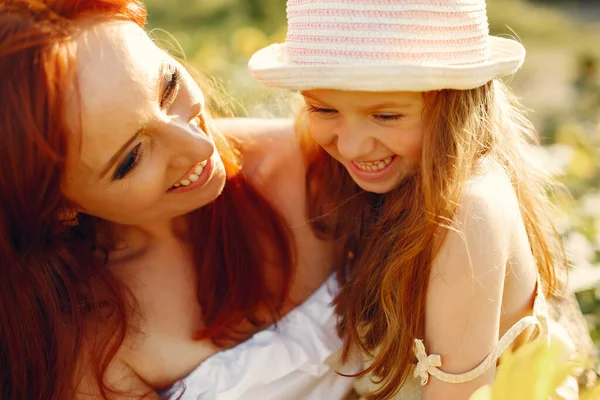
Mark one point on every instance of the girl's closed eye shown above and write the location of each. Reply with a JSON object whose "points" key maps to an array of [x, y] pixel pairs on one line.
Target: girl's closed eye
{"points": [[128, 164], [321, 110], [388, 117]]}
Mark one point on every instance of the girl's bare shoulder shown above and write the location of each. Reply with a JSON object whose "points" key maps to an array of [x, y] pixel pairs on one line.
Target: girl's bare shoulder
{"points": [[490, 197]]}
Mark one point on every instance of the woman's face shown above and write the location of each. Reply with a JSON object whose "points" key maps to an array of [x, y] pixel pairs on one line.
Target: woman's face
{"points": [[143, 153]]}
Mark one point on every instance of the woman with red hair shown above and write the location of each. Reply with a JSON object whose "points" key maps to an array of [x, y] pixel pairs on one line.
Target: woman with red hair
{"points": [[139, 254]]}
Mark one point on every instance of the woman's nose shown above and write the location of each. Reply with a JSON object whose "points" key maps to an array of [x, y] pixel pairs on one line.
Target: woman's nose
{"points": [[187, 142]]}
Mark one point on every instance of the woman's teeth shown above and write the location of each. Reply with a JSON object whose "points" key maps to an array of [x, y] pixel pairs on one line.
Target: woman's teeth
{"points": [[193, 177], [372, 166]]}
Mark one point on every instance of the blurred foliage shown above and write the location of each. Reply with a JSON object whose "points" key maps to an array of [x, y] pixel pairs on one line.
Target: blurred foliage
{"points": [[559, 81]]}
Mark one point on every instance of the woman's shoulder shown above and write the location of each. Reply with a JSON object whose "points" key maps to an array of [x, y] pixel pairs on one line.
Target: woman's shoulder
{"points": [[119, 379]]}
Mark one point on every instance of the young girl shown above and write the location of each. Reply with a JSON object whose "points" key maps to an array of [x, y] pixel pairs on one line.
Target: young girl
{"points": [[424, 169], [143, 253]]}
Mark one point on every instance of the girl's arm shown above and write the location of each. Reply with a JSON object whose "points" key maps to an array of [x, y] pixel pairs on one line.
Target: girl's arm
{"points": [[465, 290]]}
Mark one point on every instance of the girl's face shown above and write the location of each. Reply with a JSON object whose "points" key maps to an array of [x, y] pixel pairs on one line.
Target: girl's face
{"points": [[378, 137], [143, 153]]}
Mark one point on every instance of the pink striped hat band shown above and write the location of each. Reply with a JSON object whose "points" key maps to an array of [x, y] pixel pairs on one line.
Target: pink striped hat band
{"points": [[386, 45]]}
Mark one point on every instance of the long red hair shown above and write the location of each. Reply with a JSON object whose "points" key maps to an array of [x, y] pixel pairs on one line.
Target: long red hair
{"points": [[61, 309], [387, 243]]}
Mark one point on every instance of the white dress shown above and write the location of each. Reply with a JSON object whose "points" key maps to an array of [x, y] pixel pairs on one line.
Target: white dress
{"points": [[296, 359]]}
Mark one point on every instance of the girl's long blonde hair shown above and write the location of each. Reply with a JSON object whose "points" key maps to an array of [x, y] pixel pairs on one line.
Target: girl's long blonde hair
{"points": [[387, 243]]}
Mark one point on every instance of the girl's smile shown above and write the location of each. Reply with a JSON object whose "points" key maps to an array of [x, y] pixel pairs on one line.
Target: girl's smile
{"points": [[373, 170]]}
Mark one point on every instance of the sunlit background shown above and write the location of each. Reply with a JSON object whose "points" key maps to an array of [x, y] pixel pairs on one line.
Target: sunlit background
{"points": [[559, 83]]}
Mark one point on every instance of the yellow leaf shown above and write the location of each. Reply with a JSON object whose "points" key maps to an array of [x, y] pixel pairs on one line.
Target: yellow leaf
{"points": [[533, 372]]}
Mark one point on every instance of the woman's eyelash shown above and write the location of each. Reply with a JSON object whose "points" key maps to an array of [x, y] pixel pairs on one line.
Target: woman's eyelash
{"points": [[171, 87], [129, 163]]}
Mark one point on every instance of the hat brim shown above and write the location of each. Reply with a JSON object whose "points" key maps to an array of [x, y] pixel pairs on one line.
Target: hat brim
{"points": [[269, 66]]}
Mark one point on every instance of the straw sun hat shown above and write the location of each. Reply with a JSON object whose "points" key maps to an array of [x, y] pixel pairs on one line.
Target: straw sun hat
{"points": [[386, 45]]}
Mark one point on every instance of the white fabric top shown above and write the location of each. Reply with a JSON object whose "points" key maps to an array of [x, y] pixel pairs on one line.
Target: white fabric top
{"points": [[296, 359]]}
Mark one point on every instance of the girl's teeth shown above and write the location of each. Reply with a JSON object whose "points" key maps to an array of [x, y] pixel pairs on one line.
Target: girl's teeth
{"points": [[177, 185], [193, 177], [185, 182], [374, 165], [198, 170]]}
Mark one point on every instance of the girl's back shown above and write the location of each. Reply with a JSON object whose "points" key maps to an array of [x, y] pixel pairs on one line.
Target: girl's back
{"points": [[485, 259]]}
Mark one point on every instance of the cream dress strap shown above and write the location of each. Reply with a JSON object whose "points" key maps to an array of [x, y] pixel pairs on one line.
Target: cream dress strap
{"points": [[430, 364]]}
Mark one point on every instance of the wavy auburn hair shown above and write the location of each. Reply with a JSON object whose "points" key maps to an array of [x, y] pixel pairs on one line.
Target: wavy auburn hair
{"points": [[62, 312], [388, 242]]}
